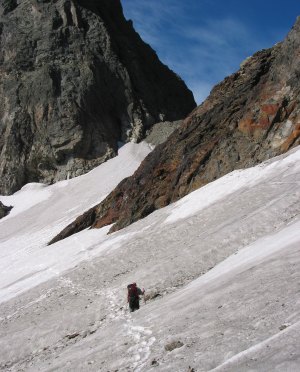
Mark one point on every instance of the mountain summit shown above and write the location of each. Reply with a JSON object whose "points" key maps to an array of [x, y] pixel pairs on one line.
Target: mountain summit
{"points": [[251, 116], [75, 79]]}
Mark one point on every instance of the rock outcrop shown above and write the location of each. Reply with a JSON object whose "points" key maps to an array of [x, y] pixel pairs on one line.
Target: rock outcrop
{"points": [[75, 80], [4, 210], [160, 132], [253, 115]]}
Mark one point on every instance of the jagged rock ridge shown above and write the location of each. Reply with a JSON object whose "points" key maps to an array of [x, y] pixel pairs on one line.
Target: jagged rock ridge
{"points": [[75, 79], [253, 115]]}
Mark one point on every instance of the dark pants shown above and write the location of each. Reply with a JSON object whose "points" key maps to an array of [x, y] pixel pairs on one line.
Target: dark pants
{"points": [[134, 303]]}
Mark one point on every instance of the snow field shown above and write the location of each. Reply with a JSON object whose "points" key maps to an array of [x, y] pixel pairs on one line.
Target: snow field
{"points": [[40, 212], [222, 266]]}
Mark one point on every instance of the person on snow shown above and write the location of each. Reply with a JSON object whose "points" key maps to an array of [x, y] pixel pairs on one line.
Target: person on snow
{"points": [[133, 296]]}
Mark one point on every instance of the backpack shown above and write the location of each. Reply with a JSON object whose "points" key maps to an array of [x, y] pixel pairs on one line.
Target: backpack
{"points": [[132, 291]]}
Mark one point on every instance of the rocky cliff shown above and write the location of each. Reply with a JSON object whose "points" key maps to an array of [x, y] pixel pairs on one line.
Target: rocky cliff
{"points": [[75, 79], [251, 116]]}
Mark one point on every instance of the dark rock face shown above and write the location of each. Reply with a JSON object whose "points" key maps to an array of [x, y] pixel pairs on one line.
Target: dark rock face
{"points": [[4, 210], [251, 116], [75, 78]]}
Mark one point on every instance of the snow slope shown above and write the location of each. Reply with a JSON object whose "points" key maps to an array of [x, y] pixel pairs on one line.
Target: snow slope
{"points": [[40, 212], [221, 268]]}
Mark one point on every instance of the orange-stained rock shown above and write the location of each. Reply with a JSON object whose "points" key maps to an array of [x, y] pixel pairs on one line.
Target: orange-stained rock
{"points": [[250, 116], [255, 128], [264, 121], [270, 109], [246, 126], [107, 219], [292, 139]]}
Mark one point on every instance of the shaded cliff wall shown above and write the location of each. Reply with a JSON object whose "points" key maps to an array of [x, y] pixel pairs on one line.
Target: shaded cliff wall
{"points": [[75, 79]]}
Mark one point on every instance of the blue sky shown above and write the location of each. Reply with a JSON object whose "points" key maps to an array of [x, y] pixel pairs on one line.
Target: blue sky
{"points": [[205, 40]]}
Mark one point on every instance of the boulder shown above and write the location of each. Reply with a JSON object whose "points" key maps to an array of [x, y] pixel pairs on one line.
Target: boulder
{"points": [[4, 210]]}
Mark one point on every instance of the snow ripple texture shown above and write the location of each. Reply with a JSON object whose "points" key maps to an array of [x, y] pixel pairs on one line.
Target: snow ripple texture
{"points": [[221, 269]]}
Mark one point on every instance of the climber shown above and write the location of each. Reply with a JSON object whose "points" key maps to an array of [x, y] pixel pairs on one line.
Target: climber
{"points": [[133, 296]]}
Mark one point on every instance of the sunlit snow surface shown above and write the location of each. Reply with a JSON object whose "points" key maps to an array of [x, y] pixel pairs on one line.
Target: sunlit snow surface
{"points": [[40, 212], [222, 266]]}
